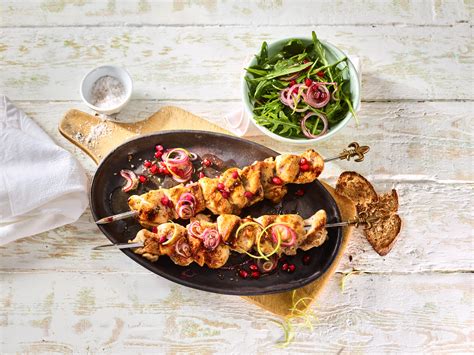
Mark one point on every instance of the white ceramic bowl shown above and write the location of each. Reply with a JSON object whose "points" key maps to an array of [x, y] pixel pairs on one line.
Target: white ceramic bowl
{"points": [[333, 53], [90, 78]]}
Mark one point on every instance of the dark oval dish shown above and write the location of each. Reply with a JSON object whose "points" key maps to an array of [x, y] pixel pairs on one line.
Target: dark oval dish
{"points": [[107, 199]]}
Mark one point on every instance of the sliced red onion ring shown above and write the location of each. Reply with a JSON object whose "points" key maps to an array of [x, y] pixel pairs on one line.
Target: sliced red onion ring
{"points": [[131, 180], [317, 95], [185, 211], [195, 230], [211, 238], [182, 248], [288, 96], [179, 164], [290, 235], [305, 129], [266, 266]]}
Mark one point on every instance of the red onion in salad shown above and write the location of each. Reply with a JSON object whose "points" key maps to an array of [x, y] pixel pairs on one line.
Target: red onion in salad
{"points": [[317, 95], [305, 129], [131, 180]]}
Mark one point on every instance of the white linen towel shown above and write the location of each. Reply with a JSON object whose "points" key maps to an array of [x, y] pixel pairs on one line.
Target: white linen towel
{"points": [[42, 186], [241, 125]]}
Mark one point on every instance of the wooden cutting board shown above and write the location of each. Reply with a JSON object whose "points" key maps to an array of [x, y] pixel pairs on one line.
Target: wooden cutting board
{"points": [[97, 137]]}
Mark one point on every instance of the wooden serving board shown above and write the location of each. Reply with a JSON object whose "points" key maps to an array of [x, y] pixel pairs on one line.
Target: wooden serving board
{"points": [[97, 137]]}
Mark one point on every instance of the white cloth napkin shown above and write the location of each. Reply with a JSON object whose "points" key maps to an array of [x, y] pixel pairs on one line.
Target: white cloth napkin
{"points": [[239, 123], [42, 186]]}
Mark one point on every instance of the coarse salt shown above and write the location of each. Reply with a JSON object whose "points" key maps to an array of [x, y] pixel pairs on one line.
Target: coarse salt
{"points": [[107, 92]]}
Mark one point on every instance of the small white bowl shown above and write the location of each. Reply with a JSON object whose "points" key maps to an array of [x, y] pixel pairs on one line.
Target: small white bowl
{"points": [[334, 54], [90, 78]]}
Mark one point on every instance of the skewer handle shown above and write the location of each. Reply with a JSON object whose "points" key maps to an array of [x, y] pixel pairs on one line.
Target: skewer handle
{"points": [[117, 217], [118, 246], [353, 150]]}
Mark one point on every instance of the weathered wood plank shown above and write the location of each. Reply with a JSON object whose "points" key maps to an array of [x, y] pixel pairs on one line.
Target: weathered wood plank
{"points": [[133, 313], [416, 63], [436, 236], [404, 143], [276, 12]]}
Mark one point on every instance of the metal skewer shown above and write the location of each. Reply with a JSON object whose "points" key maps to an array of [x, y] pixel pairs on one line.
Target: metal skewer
{"points": [[352, 150], [354, 221], [117, 217]]}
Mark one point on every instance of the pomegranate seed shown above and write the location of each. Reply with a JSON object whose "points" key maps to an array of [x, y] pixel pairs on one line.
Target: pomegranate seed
{"points": [[308, 82], [284, 267], [306, 259], [304, 167], [154, 229], [142, 178], [225, 194], [299, 192], [291, 267], [147, 163], [276, 180], [220, 186], [235, 175], [159, 148], [206, 162], [158, 154], [165, 201], [154, 169], [243, 274], [320, 74], [292, 82], [253, 267], [162, 239], [248, 194], [303, 161], [255, 274], [201, 175]]}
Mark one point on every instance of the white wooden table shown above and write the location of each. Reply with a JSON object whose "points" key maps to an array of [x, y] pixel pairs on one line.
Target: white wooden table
{"points": [[58, 296]]}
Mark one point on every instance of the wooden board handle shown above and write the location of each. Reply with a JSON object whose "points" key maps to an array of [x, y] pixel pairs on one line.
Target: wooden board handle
{"points": [[97, 137]]}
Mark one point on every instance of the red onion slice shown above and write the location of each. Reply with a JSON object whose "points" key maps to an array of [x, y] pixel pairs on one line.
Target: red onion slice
{"points": [[289, 232], [131, 180], [305, 129], [317, 95], [182, 248], [211, 238], [195, 230]]}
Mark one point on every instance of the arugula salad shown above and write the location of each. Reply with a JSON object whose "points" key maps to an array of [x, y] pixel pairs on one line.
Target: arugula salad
{"points": [[297, 92]]}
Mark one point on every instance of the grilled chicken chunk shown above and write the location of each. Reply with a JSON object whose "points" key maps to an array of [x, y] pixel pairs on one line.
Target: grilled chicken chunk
{"points": [[317, 234], [176, 192], [316, 165], [150, 207], [271, 191], [287, 167], [215, 202]]}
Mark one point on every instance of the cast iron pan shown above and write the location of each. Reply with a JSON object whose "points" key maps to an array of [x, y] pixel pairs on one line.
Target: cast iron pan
{"points": [[107, 199]]}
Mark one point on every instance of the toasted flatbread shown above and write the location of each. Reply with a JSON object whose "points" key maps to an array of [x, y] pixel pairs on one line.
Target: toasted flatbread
{"points": [[356, 187], [383, 233]]}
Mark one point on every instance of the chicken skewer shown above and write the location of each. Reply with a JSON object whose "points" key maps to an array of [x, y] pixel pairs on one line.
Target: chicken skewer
{"points": [[208, 243], [234, 190]]}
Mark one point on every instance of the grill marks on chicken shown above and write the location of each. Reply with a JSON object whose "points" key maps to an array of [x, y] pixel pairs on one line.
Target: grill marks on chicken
{"points": [[185, 248], [234, 190]]}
